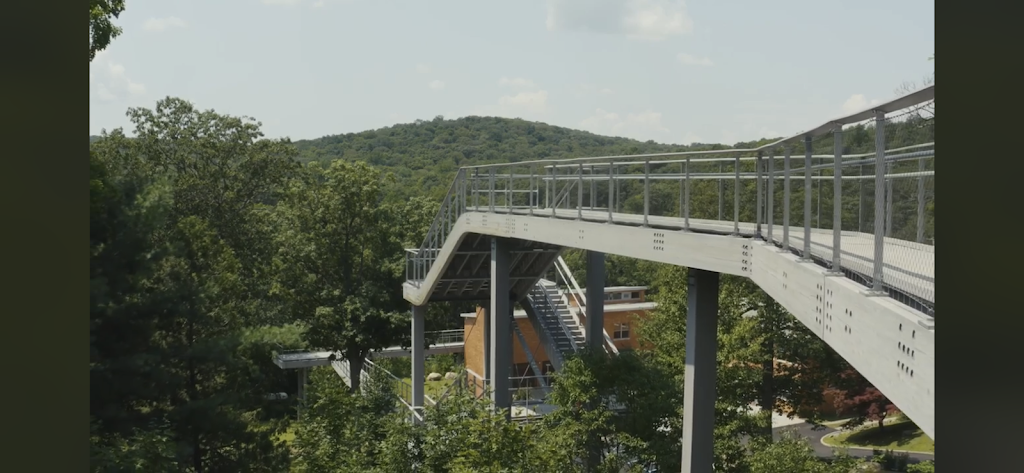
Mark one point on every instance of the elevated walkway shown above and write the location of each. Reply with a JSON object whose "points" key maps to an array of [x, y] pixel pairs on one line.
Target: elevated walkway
{"points": [[863, 279]]}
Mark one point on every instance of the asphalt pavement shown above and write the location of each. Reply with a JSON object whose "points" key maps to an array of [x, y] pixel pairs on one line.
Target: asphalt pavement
{"points": [[814, 434]]}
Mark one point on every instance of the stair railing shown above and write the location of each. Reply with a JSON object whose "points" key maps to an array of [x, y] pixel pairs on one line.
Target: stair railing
{"points": [[552, 308], [581, 301]]}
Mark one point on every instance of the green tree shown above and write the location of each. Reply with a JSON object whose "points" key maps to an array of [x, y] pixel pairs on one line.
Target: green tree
{"points": [[178, 354], [343, 431], [587, 426], [340, 265], [101, 26]]}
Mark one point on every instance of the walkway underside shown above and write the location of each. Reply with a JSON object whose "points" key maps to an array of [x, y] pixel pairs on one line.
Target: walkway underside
{"points": [[891, 344]]}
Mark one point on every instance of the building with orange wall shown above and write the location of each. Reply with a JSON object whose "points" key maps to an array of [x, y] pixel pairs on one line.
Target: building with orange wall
{"points": [[623, 306]]}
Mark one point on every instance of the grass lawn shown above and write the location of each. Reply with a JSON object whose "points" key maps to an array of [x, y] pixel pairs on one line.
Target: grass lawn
{"points": [[434, 389], [896, 436]]}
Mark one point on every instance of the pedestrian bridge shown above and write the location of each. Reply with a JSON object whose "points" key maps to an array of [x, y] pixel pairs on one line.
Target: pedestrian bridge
{"points": [[835, 223]]}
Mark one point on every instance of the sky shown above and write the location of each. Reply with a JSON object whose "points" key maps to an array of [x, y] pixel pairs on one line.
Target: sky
{"points": [[664, 70]]}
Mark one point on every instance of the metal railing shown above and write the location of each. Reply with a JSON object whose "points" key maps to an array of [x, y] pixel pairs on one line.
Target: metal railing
{"points": [[543, 303], [854, 194], [444, 337], [572, 288]]}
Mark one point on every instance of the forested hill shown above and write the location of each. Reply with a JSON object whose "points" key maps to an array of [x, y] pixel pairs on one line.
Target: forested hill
{"points": [[425, 155]]}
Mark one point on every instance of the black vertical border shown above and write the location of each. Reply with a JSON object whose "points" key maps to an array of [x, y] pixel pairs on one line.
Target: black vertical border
{"points": [[978, 374], [44, 226]]}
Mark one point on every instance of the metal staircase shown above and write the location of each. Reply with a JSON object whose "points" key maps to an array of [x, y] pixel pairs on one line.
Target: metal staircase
{"points": [[556, 320]]}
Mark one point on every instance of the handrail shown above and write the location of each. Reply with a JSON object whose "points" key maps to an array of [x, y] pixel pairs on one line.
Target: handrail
{"points": [[914, 98], [553, 307], [560, 264], [711, 160]]}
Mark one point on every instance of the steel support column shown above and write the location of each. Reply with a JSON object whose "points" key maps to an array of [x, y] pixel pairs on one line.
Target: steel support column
{"points": [[594, 324], [501, 324], [699, 390], [486, 315], [419, 319]]}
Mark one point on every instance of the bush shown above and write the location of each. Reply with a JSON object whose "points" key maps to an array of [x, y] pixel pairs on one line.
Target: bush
{"points": [[891, 461], [923, 467]]}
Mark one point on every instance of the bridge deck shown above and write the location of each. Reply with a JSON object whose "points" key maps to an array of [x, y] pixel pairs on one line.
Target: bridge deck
{"points": [[910, 267]]}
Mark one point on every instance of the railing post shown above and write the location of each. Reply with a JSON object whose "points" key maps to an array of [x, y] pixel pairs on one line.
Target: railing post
{"points": [[880, 198], [579, 194], [618, 192], [837, 199], [808, 182], [462, 192], [785, 197], [862, 196], [736, 200], [508, 189], [686, 196], [547, 187], [817, 184], [920, 201], [554, 189], [771, 195], [611, 190], [533, 199], [760, 199], [476, 189], [647, 190], [593, 188], [889, 199], [491, 191], [721, 191], [682, 185]]}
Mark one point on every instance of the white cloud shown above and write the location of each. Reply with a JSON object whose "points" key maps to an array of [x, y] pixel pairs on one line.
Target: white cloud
{"points": [[110, 79], [691, 60], [857, 103], [163, 24], [422, 69], [436, 85], [652, 20], [536, 102], [641, 126], [286, 3], [515, 82], [318, 3]]}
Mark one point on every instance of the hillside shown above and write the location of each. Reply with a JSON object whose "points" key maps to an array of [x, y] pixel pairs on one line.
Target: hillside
{"points": [[426, 154]]}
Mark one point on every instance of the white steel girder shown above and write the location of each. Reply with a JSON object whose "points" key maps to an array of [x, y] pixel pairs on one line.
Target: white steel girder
{"points": [[892, 345]]}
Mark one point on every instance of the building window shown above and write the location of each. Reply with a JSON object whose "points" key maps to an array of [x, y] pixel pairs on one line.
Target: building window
{"points": [[621, 332], [636, 295]]}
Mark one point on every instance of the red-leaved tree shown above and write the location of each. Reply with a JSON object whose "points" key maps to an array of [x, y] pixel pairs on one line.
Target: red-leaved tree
{"points": [[855, 396]]}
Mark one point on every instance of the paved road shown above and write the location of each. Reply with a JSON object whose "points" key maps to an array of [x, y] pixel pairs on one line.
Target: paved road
{"points": [[814, 434]]}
